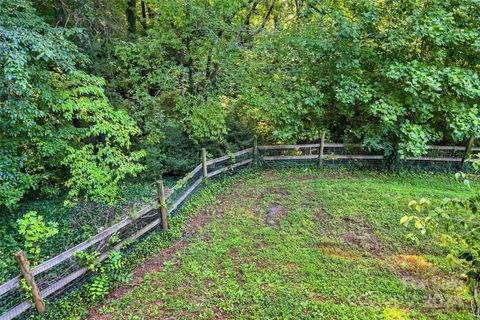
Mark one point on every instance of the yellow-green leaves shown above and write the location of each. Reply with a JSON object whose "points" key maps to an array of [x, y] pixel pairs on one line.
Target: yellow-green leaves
{"points": [[419, 222], [455, 224], [420, 205], [405, 220], [35, 231]]}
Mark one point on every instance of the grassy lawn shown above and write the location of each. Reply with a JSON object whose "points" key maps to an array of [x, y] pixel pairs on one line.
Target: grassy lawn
{"points": [[302, 244]]}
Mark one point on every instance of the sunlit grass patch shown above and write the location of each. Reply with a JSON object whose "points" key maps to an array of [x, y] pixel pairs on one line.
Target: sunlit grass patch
{"points": [[396, 314], [414, 262]]}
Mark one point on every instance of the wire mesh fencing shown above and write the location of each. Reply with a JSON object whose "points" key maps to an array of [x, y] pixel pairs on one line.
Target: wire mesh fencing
{"points": [[436, 158], [69, 270]]}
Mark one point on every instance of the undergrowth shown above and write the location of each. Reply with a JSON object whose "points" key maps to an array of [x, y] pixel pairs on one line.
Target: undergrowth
{"points": [[76, 304], [306, 244]]}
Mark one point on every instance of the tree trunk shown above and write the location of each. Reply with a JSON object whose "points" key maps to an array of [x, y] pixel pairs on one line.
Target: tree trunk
{"points": [[266, 17], [144, 15], [144, 12], [131, 15], [249, 15], [60, 13]]}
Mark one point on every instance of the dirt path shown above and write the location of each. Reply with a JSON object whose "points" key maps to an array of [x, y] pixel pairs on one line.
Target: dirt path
{"points": [[155, 263]]}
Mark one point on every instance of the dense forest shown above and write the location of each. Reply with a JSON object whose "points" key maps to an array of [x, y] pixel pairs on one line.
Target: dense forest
{"points": [[96, 91]]}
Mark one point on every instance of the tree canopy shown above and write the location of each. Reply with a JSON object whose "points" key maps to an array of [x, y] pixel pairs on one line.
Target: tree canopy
{"points": [[58, 126], [93, 91]]}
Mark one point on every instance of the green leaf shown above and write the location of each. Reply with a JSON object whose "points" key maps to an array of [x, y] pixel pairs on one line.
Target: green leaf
{"points": [[405, 219], [466, 255], [424, 201], [418, 224]]}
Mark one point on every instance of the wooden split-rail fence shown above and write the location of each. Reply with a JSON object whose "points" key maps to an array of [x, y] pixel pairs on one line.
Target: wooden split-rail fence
{"points": [[199, 174]]}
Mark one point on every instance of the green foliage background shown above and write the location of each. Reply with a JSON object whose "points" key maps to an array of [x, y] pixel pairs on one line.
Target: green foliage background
{"points": [[94, 91]]}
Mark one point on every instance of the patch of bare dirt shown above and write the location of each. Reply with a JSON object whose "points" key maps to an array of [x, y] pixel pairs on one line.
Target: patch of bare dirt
{"points": [[270, 191], [361, 235], [273, 216], [322, 215], [155, 263], [413, 269]]}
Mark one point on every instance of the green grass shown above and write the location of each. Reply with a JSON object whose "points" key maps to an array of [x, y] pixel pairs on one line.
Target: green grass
{"points": [[333, 250]]}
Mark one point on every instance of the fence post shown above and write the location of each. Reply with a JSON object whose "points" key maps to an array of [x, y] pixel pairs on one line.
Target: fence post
{"points": [[320, 149], [204, 165], [255, 149], [28, 276], [163, 204], [468, 148]]}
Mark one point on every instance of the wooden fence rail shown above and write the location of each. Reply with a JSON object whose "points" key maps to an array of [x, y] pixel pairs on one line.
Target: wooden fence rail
{"points": [[321, 156], [13, 284], [253, 154], [345, 145]]}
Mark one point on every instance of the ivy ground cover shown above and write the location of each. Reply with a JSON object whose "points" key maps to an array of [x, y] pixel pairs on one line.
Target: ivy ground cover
{"points": [[303, 244]]}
